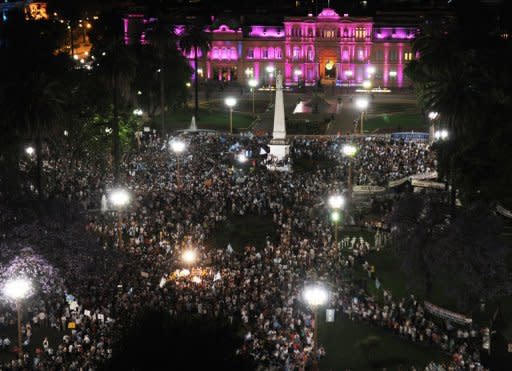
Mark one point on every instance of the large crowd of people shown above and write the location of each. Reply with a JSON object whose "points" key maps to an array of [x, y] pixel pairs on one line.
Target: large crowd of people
{"points": [[257, 286]]}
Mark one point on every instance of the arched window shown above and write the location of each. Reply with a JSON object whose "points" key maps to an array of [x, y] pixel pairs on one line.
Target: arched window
{"points": [[234, 54], [278, 53], [215, 53], [264, 53], [311, 54], [224, 53], [270, 53], [296, 53]]}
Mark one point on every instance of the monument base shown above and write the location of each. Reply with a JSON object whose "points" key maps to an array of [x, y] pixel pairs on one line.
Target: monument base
{"points": [[279, 151]]}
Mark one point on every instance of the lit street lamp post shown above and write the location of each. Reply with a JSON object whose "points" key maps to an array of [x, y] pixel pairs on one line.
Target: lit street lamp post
{"points": [[189, 257], [252, 84], [230, 102], [336, 202], [349, 150], [432, 116], [178, 147], [362, 105], [17, 290], [315, 296], [119, 198], [270, 70]]}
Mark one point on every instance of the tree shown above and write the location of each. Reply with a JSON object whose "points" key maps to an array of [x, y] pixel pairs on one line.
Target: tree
{"points": [[416, 223], [195, 40], [473, 251], [162, 37], [154, 340], [116, 69], [31, 100]]}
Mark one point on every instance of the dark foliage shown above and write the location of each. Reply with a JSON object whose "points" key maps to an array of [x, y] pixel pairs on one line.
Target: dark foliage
{"points": [[154, 340]]}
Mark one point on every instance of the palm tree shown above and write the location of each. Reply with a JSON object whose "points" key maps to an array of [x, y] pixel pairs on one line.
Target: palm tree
{"points": [[35, 106], [116, 70], [194, 39], [163, 41]]}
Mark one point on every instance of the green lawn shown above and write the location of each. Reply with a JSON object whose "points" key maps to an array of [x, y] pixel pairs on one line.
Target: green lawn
{"points": [[241, 231], [341, 339], [243, 105], [396, 122], [391, 107], [208, 119]]}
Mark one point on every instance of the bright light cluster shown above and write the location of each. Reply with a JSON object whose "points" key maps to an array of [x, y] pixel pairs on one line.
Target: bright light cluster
{"points": [[119, 197], [336, 201], [178, 146], [315, 295], [18, 288], [349, 150]]}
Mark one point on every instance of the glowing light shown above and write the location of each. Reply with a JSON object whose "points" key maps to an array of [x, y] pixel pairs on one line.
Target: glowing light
{"points": [[30, 150], [189, 256], [367, 84], [138, 112], [329, 65], [242, 158], [348, 73], [362, 103], [441, 134], [188, 84], [66, 133], [335, 216], [270, 69], [139, 92], [76, 57], [230, 102], [108, 130], [371, 70], [392, 73], [297, 72], [349, 150], [336, 201], [315, 295], [253, 83], [433, 115], [178, 146], [119, 197], [17, 288]]}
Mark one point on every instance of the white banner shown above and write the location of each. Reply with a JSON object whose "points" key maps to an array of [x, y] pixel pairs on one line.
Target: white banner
{"points": [[502, 211], [429, 175], [367, 189], [329, 315], [427, 184], [447, 314], [396, 183]]}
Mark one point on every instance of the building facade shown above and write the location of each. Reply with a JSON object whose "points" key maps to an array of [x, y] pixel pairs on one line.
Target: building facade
{"points": [[329, 49]]}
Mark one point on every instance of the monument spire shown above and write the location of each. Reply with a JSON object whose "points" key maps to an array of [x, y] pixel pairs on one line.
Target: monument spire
{"points": [[279, 146]]}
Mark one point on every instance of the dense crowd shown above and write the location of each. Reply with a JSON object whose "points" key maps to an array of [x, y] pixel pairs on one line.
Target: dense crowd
{"points": [[257, 287]]}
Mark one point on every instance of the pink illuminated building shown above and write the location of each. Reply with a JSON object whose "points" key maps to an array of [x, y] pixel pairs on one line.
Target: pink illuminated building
{"points": [[329, 48]]}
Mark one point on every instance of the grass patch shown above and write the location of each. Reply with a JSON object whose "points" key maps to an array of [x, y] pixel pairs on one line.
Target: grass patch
{"points": [[396, 122], [241, 231], [391, 107], [341, 339], [208, 119]]}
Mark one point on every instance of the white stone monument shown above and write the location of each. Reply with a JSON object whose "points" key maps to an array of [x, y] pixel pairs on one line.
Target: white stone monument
{"points": [[193, 126], [279, 145]]}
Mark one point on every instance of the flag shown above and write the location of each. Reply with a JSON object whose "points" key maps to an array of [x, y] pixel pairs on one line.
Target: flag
{"points": [[216, 277]]}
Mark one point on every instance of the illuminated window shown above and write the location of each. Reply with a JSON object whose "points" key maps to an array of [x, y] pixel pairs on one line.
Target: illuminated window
{"points": [[278, 53], [264, 53], [215, 53], [311, 55], [345, 32], [360, 33], [296, 53], [329, 34], [360, 54], [250, 53], [345, 55], [224, 53], [408, 56]]}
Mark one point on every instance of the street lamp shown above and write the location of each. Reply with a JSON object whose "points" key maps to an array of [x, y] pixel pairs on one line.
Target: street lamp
{"points": [[367, 84], [138, 112], [18, 289], [349, 150], [270, 70], [441, 134], [230, 102], [189, 257], [315, 296], [362, 105], [336, 202], [178, 147], [119, 198], [242, 158], [30, 150], [370, 70], [432, 116], [252, 84]]}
